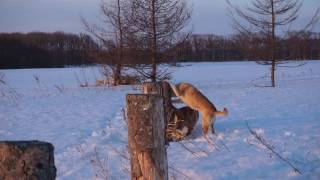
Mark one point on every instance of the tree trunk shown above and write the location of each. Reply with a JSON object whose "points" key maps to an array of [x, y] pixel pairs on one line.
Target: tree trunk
{"points": [[120, 46], [117, 75], [154, 43], [146, 137], [273, 40], [273, 72], [30, 160]]}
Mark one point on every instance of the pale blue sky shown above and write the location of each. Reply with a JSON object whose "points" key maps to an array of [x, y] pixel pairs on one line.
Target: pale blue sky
{"points": [[209, 16]]}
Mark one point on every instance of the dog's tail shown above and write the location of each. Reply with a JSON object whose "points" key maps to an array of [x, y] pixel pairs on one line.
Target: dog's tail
{"points": [[225, 112]]}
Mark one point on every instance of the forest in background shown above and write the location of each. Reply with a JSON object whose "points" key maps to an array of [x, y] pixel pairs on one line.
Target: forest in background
{"points": [[59, 49], [44, 50], [253, 47]]}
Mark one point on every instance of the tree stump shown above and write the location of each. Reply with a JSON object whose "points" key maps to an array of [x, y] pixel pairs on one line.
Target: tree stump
{"points": [[30, 160], [182, 123], [146, 137]]}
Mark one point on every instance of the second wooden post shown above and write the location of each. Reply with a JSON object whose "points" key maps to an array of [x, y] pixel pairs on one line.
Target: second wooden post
{"points": [[146, 137]]}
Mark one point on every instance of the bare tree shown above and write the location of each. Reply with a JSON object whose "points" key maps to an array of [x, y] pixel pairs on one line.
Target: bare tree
{"points": [[266, 16], [110, 35], [157, 24]]}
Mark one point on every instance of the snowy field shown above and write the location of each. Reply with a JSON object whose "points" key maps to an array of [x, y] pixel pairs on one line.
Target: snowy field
{"points": [[86, 125]]}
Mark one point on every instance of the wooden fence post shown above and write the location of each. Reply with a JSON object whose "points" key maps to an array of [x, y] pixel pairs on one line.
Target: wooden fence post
{"points": [[163, 89], [29, 160], [146, 137]]}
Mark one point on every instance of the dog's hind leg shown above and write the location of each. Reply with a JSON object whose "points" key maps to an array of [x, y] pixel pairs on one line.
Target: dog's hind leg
{"points": [[207, 123]]}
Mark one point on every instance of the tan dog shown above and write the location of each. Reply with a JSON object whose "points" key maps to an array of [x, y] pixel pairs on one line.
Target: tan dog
{"points": [[192, 97]]}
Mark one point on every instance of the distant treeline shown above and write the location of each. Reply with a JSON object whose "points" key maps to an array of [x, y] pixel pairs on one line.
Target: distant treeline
{"points": [[295, 46], [44, 50]]}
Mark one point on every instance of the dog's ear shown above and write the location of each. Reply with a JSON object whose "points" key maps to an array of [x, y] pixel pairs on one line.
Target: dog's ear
{"points": [[172, 94], [167, 88], [175, 89]]}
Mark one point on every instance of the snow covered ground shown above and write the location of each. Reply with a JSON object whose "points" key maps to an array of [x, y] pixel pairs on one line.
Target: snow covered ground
{"points": [[86, 125]]}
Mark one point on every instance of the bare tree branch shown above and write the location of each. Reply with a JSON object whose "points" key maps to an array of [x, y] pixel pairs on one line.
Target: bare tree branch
{"points": [[157, 23], [265, 143], [111, 35]]}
